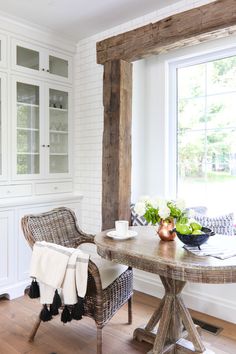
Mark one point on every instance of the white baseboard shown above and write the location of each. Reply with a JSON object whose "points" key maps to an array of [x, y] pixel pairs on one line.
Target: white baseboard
{"points": [[201, 301], [15, 290]]}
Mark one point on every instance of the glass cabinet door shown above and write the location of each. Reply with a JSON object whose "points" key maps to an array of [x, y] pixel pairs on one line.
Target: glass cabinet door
{"points": [[39, 61], [58, 66], [27, 58], [28, 129], [3, 126], [58, 129]]}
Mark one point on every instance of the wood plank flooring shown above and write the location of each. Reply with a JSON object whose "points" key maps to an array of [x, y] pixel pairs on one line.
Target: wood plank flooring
{"points": [[17, 318]]}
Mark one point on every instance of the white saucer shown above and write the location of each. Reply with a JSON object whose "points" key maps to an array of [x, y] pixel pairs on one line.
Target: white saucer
{"points": [[114, 235]]}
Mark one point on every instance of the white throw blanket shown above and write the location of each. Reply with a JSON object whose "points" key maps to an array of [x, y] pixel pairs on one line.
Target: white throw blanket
{"points": [[58, 267]]}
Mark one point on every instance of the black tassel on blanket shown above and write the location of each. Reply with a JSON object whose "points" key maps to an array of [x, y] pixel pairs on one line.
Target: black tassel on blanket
{"points": [[66, 315], [45, 314], [34, 292], [56, 304], [78, 309], [53, 310]]}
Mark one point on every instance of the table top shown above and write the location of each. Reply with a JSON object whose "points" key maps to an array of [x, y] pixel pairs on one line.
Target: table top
{"points": [[147, 252]]}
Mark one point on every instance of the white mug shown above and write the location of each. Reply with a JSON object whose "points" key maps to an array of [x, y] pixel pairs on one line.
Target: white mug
{"points": [[122, 227]]}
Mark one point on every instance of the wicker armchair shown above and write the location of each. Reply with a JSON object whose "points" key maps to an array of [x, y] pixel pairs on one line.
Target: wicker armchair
{"points": [[60, 226]]}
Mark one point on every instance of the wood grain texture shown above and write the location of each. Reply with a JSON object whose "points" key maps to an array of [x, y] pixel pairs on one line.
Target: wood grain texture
{"points": [[164, 325], [207, 22], [175, 266], [217, 19], [116, 171], [169, 259], [170, 336], [17, 317], [189, 325]]}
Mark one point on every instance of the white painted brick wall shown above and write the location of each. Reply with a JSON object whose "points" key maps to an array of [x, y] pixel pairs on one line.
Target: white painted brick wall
{"points": [[89, 113]]}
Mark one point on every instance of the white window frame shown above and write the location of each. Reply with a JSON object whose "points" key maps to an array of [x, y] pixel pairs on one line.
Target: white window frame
{"points": [[173, 66]]}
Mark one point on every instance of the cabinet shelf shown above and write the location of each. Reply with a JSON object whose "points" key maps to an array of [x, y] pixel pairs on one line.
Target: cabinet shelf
{"points": [[59, 131], [58, 109], [38, 124], [58, 154], [28, 129], [27, 153], [27, 104]]}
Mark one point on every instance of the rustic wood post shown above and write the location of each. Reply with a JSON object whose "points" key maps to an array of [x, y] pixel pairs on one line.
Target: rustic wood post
{"points": [[116, 169], [204, 23]]}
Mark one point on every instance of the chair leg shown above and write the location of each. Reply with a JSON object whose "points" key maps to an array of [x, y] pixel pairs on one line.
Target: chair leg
{"points": [[130, 315], [99, 340], [34, 330]]}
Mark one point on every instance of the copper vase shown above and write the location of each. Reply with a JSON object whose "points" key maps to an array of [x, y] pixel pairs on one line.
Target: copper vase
{"points": [[165, 230]]}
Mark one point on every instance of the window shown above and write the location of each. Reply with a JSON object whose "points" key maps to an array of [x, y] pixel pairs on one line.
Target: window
{"points": [[206, 133]]}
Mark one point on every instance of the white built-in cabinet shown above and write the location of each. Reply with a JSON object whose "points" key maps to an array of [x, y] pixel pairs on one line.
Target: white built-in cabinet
{"points": [[42, 121], [7, 249], [15, 253], [36, 60], [36, 126]]}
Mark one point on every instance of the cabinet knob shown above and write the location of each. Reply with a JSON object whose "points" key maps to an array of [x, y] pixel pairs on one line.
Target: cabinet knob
{"points": [[47, 70], [43, 145], [48, 146], [43, 69]]}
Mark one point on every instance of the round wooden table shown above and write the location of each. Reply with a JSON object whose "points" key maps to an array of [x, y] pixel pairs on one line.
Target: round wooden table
{"points": [[175, 266]]}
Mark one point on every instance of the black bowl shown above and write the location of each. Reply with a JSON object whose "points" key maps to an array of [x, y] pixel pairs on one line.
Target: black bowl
{"points": [[196, 240]]}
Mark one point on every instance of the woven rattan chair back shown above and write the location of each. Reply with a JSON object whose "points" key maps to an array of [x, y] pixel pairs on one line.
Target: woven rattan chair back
{"points": [[60, 226], [57, 226]]}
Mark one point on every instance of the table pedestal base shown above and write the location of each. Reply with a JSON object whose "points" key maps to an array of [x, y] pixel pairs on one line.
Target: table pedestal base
{"points": [[171, 316]]}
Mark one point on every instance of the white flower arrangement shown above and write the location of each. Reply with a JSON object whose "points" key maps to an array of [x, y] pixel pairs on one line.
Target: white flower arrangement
{"points": [[156, 209]]}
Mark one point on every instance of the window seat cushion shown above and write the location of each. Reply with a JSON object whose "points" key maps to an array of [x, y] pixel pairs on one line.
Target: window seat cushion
{"points": [[223, 224]]}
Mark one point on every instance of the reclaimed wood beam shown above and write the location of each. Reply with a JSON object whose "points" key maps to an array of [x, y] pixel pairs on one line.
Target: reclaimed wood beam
{"points": [[214, 20], [116, 164]]}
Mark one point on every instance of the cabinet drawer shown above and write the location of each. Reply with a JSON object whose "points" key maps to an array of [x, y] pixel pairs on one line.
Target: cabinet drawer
{"points": [[57, 187], [16, 190]]}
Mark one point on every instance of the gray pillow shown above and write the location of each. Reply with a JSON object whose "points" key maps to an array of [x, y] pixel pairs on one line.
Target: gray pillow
{"points": [[223, 224], [137, 220]]}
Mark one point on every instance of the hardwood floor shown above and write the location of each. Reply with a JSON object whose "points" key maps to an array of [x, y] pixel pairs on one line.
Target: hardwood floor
{"points": [[17, 318]]}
